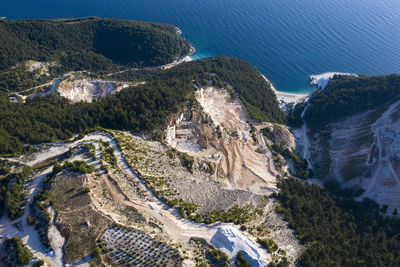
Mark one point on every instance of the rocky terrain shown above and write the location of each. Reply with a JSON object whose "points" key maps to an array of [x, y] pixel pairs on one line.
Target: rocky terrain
{"points": [[221, 132], [202, 195], [361, 153], [85, 205], [84, 89]]}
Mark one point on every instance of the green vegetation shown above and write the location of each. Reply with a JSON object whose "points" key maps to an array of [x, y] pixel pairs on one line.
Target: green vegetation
{"points": [[247, 82], [235, 214], [96, 252], [338, 231], [347, 95], [282, 263], [132, 247], [335, 188], [79, 166], [185, 209], [3, 190], [253, 132], [218, 131], [14, 196], [40, 217], [213, 256], [142, 108], [278, 255], [78, 221], [107, 155], [91, 150], [186, 161], [30, 220], [268, 244], [38, 263], [83, 44], [16, 252], [217, 257], [4, 168], [294, 115], [300, 165], [241, 261]]}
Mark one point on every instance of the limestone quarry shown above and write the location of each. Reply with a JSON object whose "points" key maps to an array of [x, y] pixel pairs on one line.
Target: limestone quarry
{"points": [[210, 181], [220, 131], [119, 195], [362, 152], [84, 89], [74, 86]]}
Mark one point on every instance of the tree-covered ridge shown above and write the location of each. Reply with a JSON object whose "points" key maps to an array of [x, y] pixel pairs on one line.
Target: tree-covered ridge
{"points": [[252, 89], [339, 231], [347, 95], [89, 43], [143, 108]]}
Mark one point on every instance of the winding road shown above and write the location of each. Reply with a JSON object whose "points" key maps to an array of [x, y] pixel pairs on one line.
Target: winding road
{"points": [[383, 161], [225, 236]]}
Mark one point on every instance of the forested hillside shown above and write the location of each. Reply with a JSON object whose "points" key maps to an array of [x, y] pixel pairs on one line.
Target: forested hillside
{"points": [[90, 39], [347, 95], [339, 231], [84, 44], [142, 108]]}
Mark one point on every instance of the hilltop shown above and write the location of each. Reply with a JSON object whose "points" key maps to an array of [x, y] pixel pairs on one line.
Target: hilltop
{"points": [[116, 151], [54, 47]]}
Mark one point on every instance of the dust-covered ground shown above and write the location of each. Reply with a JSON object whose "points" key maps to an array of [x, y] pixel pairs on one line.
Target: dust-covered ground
{"points": [[225, 137]]}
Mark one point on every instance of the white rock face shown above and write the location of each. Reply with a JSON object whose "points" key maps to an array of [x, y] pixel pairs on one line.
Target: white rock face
{"points": [[231, 241], [321, 80], [82, 89]]}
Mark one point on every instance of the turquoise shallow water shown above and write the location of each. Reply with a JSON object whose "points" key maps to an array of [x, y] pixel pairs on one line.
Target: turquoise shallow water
{"points": [[287, 40]]}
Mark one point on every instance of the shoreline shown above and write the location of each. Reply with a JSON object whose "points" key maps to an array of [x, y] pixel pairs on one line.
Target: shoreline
{"points": [[286, 98], [186, 58], [322, 80]]}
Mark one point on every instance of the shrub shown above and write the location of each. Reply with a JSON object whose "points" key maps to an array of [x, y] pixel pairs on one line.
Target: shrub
{"points": [[96, 253], [79, 166], [22, 254], [218, 131], [57, 168], [38, 263], [30, 220], [241, 261], [268, 244], [4, 170], [186, 161], [283, 263]]}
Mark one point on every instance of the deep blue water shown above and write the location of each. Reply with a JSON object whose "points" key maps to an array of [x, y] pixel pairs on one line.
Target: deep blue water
{"points": [[287, 40]]}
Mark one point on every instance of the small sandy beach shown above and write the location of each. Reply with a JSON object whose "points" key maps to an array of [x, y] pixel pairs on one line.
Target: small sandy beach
{"points": [[286, 98]]}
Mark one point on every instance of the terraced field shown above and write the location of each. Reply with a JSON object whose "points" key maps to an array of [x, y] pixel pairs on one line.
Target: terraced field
{"points": [[131, 247]]}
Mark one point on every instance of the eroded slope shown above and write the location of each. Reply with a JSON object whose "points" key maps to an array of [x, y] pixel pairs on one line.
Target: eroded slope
{"points": [[221, 132], [362, 152]]}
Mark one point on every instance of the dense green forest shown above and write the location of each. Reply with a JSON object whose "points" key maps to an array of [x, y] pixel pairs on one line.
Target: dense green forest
{"points": [[16, 253], [339, 231], [11, 192], [143, 108], [347, 95], [84, 44]]}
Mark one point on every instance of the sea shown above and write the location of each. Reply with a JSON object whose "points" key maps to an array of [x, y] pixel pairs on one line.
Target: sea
{"points": [[286, 40]]}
